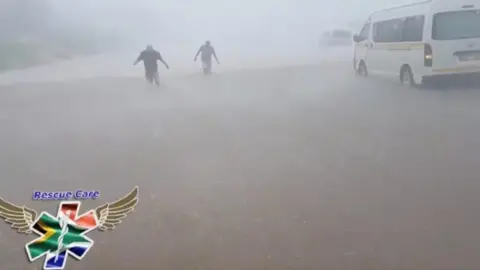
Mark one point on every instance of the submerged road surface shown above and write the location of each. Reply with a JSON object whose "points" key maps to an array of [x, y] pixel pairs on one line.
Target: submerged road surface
{"points": [[304, 167]]}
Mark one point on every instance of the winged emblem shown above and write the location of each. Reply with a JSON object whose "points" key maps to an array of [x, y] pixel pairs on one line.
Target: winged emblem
{"points": [[21, 217], [111, 214], [108, 215]]}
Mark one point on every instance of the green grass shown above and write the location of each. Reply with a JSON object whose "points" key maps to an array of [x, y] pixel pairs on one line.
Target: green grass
{"points": [[31, 52], [17, 55]]}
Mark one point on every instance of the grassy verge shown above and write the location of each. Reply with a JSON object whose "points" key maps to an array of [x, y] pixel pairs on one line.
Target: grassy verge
{"points": [[30, 52], [22, 54]]}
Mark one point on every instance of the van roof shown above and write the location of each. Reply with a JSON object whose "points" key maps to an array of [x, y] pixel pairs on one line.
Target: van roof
{"points": [[403, 6], [412, 5]]}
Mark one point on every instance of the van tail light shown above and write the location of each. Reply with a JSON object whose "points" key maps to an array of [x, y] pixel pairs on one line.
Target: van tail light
{"points": [[428, 55]]}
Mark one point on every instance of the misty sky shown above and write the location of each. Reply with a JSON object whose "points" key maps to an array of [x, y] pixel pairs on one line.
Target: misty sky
{"points": [[233, 23]]}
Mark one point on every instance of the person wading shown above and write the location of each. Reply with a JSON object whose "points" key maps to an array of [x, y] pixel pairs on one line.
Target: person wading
{"points": [[206, 51], [150, 57]]}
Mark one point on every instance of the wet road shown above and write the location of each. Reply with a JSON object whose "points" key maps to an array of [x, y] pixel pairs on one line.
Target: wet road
{"points": [[301, 167]]}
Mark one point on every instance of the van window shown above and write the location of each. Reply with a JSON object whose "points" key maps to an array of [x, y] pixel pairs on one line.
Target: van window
{"points": [[388, 31], [456, 25], [365, 33], [413, 28]]}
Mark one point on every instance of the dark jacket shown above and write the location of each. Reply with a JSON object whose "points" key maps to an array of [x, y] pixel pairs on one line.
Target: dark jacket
{"points": [[150, 58]]}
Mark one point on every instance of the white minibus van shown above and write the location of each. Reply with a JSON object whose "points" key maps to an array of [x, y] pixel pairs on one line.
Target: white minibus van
{"points": [[417, 42]]}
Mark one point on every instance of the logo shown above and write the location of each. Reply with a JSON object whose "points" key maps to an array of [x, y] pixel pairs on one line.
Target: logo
{"points": [[66, 233]]}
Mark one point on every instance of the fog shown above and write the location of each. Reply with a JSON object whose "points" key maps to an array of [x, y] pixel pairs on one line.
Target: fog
{"points": [[286, 165], [241, 31], [236, 25]]}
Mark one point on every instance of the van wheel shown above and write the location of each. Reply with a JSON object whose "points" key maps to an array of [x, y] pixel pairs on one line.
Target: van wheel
{"points": [[406, 77], [362, 69]]}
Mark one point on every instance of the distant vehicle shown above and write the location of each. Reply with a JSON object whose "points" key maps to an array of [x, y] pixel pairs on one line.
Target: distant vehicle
{"points": [[337, 37], [418, 42]]}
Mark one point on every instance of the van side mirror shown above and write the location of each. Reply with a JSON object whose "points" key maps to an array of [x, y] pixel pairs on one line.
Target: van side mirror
{"points": [[357, 38]]}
